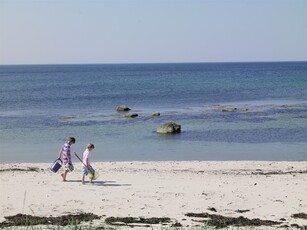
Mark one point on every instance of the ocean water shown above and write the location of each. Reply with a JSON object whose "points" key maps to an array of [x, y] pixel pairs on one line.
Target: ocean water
{"points": [[42, 105]]}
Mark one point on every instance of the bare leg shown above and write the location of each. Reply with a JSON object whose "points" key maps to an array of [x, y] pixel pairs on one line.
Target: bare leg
{"points": [[83, 180], [64, 175]]}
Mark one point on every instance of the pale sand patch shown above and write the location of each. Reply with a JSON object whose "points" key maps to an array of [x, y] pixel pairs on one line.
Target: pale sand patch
{"points": [[269, 190]]}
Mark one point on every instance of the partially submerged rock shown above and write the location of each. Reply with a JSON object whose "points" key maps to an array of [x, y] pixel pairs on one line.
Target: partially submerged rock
{"points": [[122, 108], [169, 128], [131, 115], [229, 110], [155, 114]]}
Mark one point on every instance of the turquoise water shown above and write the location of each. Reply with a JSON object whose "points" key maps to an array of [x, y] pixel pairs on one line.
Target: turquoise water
{"points": [[42, 105]]}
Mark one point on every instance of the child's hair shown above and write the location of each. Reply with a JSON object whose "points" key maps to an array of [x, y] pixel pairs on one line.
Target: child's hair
{"points": [[90, 146], [72, 140]]}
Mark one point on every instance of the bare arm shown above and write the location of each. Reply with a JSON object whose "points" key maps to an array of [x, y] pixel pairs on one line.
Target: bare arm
{"points": [[60, 154], [88, 166], [86, 163]]}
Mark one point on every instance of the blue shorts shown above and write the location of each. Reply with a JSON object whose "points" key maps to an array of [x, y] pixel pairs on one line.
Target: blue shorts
{"points": [[85, 171]]}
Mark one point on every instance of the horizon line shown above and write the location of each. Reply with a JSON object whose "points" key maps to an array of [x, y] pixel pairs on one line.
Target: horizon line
{"points": [[152, 63]]}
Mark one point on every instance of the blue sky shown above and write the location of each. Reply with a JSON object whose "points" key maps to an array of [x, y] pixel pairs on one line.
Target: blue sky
{"points": [[152, 31]]}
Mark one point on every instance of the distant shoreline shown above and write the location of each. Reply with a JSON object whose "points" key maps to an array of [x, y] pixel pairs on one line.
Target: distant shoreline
{"points": [[153, 63]]}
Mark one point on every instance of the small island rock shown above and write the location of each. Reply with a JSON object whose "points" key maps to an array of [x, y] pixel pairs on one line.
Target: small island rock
{"points": [[169, 128]]}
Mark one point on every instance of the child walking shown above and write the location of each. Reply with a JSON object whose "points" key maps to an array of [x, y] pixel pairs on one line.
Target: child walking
{"points": [[86, 166], [66, 153]]}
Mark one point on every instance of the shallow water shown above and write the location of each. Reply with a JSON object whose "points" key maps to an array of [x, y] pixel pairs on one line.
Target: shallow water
{"points": [[42, 105]]}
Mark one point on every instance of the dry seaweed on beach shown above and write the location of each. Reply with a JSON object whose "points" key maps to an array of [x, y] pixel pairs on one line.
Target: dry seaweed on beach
{"points": [[260, 172], [28, 169], [300, 215], [220, 221], [242, 211], [28, 220], [133, 220]]}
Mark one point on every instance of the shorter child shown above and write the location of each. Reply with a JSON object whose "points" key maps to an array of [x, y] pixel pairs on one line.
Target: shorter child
{"points": [[87, 162]]}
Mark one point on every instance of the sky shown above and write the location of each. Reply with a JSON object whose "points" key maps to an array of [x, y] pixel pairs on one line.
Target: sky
{"points": [[152, 31]]}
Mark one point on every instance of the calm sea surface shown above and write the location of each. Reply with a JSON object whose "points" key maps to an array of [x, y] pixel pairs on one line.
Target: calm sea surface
{"points": [[42, 105]]}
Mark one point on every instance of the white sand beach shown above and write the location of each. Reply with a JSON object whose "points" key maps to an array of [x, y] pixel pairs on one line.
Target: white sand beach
{"points": [[272, 191]]}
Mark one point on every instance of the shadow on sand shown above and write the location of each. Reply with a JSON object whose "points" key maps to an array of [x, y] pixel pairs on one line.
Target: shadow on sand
{"points": [[100, 183]]}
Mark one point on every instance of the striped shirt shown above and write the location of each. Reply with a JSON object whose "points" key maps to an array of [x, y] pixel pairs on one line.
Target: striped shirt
{"points": [[66, 153]]}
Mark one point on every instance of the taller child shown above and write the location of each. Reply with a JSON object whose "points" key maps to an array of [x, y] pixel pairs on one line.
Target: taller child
{"points": [[66, 153]]}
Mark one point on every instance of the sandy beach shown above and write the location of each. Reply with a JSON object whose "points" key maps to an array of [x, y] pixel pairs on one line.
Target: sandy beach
{"points": [[149, 195]]}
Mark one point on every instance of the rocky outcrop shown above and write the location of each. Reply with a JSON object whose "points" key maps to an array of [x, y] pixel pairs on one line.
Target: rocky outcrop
{"points": [[122, 108], [169, 128]]}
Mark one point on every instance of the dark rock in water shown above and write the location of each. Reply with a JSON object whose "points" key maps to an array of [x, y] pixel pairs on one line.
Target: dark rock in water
{"points": [[122, 108], [155, 114], [169, 128], [229, 110], [131, 115]]}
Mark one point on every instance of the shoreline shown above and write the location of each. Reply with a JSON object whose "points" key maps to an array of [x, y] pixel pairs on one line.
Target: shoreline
{"points": [[267, 190]]}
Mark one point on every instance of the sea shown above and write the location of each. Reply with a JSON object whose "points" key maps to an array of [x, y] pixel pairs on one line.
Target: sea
{"points": [[42, 105]]}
